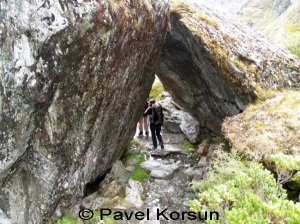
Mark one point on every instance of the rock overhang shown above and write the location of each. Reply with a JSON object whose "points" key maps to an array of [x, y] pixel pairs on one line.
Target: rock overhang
{"points": [[212, 64]]}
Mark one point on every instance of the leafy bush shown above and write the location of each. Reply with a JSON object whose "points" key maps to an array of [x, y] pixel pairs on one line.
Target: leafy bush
{"points": [[245, 193], [286, 166]]}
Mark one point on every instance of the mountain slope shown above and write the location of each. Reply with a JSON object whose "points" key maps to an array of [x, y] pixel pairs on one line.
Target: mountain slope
{"points": [[276, 19], [285, 29]]}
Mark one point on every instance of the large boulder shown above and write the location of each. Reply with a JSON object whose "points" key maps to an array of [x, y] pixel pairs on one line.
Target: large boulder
{"points": [[211, 65], [74, 76]]}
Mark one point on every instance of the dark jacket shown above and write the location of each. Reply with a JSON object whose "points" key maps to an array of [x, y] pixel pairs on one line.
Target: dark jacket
{"points": [[155, 119], [145, 106], [147, 111]]}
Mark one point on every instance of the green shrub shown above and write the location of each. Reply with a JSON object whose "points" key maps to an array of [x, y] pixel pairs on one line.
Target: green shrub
{"points": [[249, 194], [285, 166]]}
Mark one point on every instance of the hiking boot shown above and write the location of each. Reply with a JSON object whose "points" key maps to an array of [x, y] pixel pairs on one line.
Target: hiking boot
{"points": [[140, 135], [147, 134], [162, 146]]}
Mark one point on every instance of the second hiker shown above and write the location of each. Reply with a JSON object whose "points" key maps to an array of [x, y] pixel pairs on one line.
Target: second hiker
{"points": [[143, 122]]}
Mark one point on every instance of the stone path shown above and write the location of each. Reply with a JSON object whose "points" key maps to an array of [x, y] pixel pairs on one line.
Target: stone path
{"points": [[169, 186], [167, 190]]}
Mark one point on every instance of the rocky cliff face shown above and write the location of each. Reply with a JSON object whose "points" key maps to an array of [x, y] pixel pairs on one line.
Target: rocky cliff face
{"points": [[74, 76], [211, 64]]}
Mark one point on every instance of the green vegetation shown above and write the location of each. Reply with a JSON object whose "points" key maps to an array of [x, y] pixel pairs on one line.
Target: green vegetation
{"points": [[95, 220], [293, 40], [269, 126], [286, 166], [138, 173], [292, 28], [237, 185], [68, 220], [265, 94], [157, 90], [188, 146], [243, 190]]}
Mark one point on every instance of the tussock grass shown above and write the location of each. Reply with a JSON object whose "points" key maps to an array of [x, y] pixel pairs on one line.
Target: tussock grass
{"points": [[270, 126], [208, 20]]}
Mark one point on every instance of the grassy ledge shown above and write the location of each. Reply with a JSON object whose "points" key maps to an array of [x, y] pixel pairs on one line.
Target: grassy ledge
{"points": [[270, 126]]}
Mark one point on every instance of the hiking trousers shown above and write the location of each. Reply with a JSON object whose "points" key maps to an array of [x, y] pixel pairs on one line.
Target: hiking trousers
{"points": [[155, 133]]}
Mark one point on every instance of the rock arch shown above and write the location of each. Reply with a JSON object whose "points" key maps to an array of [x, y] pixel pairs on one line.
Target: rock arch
{"points": [[211, 64]]}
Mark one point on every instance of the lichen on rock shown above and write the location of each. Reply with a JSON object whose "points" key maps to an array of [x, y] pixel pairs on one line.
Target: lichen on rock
{"points": [[73, 77]]}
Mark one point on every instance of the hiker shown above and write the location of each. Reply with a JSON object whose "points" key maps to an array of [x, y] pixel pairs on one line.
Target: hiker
{"points": [[156, 120], [143, 122]]}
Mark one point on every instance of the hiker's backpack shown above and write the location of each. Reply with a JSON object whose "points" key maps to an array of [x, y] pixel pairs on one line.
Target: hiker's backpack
{"points": [[157, 114]]}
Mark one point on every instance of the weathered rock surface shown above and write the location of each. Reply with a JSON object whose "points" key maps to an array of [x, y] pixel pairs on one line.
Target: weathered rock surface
{"points": [[158, 169], [172, 116], [4, 219], [211, 64], [190, 127], [177, 120], [133, 193], [72, 75]]}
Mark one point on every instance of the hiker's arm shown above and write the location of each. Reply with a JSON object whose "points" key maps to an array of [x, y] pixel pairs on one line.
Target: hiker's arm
{"points": [[148, 111]]}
